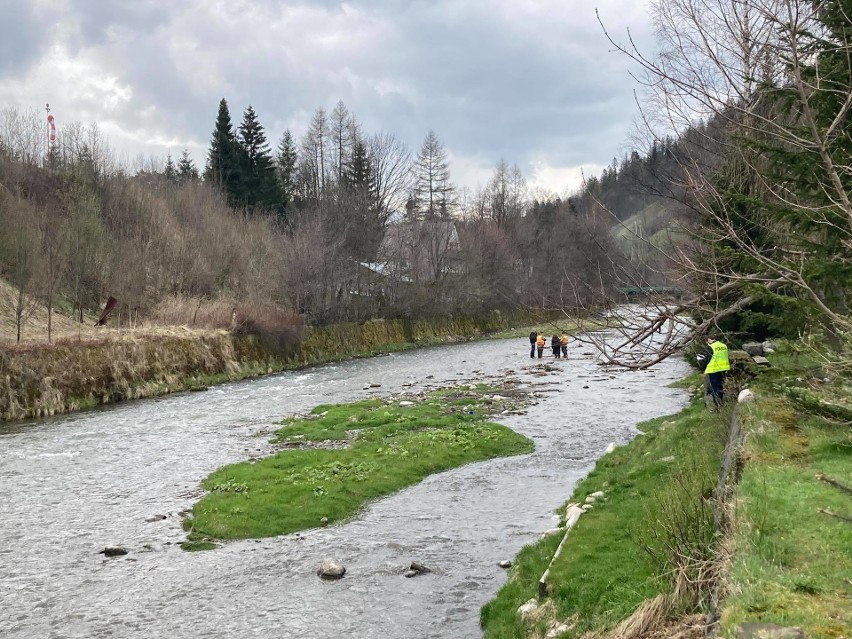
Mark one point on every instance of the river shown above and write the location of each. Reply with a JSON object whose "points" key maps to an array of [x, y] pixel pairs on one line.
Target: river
{"points": [[71, 485]]}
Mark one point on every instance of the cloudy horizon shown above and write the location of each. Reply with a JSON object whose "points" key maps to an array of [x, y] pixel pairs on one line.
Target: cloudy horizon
{"points": [[533, 82]]}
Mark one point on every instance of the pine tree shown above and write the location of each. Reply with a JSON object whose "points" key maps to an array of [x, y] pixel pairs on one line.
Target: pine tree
{"points": [[259, 184], [186, 171], [357, 172], [170, 172], [285, 162], [223, 168]]}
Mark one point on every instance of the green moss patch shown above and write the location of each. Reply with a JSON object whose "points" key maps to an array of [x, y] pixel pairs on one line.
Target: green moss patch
{"points": [[342, 456]]}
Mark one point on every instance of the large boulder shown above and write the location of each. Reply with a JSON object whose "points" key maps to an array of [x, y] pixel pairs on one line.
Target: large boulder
{"points": [[331, 569], [753, 348]]}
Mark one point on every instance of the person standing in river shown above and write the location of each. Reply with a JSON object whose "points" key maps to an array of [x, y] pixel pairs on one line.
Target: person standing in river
{"points": [[556, 345], [539, 345], [716, 356], [564, 341], [533, 336]]}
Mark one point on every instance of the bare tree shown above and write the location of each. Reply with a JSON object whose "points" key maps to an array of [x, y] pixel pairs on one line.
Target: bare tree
{"points": [[391, 168], [20, 249], [759, 93]]}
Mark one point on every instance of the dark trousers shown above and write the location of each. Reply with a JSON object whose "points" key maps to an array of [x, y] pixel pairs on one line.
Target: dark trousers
{"points": [[716, 386], [532, 349], [540, 351]]}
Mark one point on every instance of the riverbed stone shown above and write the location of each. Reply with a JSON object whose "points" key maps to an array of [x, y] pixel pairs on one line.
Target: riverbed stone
{"points": [[113, 551], [405, 403], [416, 569], [506, 563], [331, 569]]}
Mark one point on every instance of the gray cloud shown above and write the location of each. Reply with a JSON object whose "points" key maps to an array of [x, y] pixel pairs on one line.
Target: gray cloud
{"points": [[519, 80], [23, 37]]}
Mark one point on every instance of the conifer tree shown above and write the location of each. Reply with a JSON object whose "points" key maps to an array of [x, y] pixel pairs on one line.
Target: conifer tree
{"points": [[259, 184], [186, 171], [170, 172], [433, 191], [223, 168], [285, 162]]}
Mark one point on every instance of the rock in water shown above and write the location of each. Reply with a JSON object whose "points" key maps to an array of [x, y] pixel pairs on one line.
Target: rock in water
{"points": [[331, 569], [416, 569], [506, 563], [113, 551]]}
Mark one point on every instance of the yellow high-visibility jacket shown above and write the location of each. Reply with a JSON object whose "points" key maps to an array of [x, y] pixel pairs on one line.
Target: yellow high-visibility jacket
{"points": [[719, 362]]}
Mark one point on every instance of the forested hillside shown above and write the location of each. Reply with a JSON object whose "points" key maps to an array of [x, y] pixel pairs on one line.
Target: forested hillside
{"points": [[341, 225]]}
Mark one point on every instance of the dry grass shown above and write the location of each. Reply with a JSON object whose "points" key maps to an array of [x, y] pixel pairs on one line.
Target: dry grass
{"points": [[34, 328], [174, 316]]}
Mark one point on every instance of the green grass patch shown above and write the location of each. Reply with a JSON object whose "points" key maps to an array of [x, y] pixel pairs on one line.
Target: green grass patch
{"points": [[791, 562], [343, 456], [605, 571]]}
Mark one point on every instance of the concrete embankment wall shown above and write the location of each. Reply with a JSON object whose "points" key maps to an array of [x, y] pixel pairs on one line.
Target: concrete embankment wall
{"points": [[45, 380]]}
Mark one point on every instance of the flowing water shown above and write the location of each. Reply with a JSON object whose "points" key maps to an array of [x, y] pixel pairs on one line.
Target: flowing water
{"points": [[69, 486]]}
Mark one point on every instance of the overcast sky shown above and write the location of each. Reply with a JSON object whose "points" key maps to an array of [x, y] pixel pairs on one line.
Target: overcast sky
{"points": [[531, 81]]}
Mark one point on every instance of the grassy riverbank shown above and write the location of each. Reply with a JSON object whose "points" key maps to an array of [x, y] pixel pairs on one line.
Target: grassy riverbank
{"points": [[782, 560], [791, 558], [342, 456], [605, 572]]}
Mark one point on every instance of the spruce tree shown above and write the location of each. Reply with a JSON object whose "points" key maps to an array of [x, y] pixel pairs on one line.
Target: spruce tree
{"points": [[286, 165], [186, 171], [223, 168], [170, 172], [259, 186]]}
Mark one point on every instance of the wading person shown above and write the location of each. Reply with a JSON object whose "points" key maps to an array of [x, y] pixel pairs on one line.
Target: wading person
{"points": [[564, 341], [539, 344], [716, 356], [556, 346], [533, 336]]}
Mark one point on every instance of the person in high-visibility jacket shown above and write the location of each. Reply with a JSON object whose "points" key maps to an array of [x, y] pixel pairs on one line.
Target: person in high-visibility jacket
{"points": [[564, 343], [539, 344], [716, 356]]}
